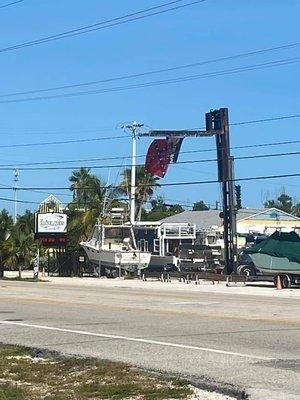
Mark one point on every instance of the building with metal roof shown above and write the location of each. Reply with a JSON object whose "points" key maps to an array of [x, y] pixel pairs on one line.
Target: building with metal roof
{"points": [[249, 220]]}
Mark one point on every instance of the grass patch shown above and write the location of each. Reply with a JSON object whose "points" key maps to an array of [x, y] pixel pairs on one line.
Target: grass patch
{"points": [[30, 374], [10, 392]]}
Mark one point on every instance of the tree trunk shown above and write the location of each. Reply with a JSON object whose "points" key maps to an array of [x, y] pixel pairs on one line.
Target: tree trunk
{"points": [[20, 271]]}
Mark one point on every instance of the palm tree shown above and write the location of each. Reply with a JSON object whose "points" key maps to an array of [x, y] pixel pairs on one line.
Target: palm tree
{"points": [[144, 188], [6, 223], [25, 222], [79, 182], [91, 192], [19, 249]]}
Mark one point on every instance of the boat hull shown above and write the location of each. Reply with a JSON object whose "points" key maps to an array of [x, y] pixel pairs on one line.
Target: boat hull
{"points": [[131, 260], [157, 262], [270, 265]]}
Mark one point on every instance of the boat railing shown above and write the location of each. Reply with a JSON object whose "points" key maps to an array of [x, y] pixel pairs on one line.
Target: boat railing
{"points": [[178, 231]]}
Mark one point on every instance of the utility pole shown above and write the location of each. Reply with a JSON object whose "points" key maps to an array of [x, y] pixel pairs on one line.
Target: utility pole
{"points": [[133, 127], [15, 189]]}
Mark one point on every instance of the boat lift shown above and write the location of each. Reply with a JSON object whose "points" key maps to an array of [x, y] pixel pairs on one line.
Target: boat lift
{"points": [[217, 124]]}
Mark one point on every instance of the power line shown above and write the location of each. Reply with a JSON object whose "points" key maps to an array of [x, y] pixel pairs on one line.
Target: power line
{"points": [[255, 121], [143, 155], [67, 161], [95, 130], [18, 201], [61, 142], [108, 129], [153, 72], [140, 165], [187, 78], [61, 132], [265, 177], [88, 204], [149, 12], [251, 178], [11, 4], [250, 146], [9, 187], [185, 183]]}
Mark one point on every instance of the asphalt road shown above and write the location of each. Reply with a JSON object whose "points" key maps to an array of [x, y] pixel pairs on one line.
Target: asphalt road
{"points": [[226, 339]]}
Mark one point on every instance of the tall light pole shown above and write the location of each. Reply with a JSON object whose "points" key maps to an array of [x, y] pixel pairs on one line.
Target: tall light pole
{"points": [[16, 180]]}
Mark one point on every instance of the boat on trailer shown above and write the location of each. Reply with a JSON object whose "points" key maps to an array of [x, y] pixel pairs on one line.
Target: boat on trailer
{"points": [[278, 256], [113, 247]]}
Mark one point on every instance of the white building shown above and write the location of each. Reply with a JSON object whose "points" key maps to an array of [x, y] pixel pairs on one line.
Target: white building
{"points": [[264, 221]]}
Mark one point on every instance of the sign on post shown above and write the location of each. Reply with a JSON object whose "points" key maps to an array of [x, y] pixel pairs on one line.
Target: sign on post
{"points": [[51, 223], [51, 229]]}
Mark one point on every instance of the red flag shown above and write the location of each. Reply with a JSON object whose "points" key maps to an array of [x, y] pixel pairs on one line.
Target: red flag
{"points": [[157, 160], [160, 154]]}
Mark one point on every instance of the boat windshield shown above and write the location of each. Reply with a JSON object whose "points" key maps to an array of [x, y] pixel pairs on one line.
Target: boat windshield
{"points": [[118, 235], [96, 234], [95, 237]]}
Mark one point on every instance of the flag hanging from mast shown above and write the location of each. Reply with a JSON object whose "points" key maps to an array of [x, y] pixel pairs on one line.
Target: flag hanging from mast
{"points": [[160, 154], [174, 145]]}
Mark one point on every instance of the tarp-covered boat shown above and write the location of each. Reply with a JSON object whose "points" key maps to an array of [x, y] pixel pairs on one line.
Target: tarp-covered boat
{"points": [[280, 253]]}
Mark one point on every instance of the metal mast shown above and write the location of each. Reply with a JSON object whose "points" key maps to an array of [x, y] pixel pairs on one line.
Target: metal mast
{"points": [[15, 189], [218, 120]]}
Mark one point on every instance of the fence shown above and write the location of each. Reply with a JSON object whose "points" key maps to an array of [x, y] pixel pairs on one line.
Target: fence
{"points": [[196, 277]]}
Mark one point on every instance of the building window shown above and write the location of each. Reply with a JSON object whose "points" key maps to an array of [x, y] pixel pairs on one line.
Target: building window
{"points": [[156, 246], [143, 245]]}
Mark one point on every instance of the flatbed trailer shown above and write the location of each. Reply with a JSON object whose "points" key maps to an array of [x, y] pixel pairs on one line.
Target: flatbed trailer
{"points": [[287, 280]]}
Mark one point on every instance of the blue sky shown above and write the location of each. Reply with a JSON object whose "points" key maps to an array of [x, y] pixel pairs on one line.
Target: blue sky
{"points": [[197, 33]]}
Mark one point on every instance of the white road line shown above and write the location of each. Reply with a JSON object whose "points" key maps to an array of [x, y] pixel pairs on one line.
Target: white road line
{"points": [[138, 340], [201, 303]]}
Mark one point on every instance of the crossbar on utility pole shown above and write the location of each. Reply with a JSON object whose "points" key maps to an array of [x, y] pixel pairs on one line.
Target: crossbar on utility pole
{"points": [[178, 133]]}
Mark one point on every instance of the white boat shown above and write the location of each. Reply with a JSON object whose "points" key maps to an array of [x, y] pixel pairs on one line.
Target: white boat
{"points": [[163, 241], [114, 247]]}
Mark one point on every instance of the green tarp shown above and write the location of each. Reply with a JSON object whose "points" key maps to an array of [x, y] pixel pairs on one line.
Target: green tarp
{"points": [[280, 244]]}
